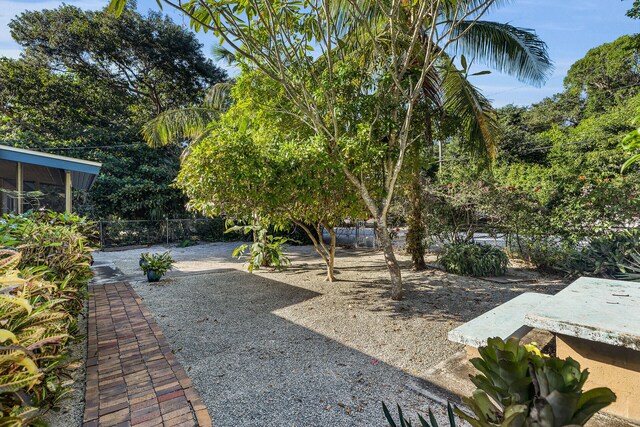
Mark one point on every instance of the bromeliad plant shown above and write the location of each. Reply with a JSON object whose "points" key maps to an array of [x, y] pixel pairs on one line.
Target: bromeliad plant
{"points": [[265, 251], [156, 265], [519, 387]]}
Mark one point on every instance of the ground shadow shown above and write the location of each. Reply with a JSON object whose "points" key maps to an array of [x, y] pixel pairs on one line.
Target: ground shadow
{"points": [[435, 294], [254, 366]]}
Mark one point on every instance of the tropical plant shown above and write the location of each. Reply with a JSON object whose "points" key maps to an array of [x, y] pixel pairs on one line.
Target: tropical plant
{"points": [[159, 263], [518, 386], [473, 259], [616, 256], [265, 251], [36, 325], [59, 244], [459, 109]]}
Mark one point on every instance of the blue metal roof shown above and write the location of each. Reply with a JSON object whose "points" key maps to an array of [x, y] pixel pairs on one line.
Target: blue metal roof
{"points": [[49, 160], [83, 172]]}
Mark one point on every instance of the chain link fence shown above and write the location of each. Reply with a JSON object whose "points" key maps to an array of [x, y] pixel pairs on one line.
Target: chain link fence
{"points": [[114, 233]]}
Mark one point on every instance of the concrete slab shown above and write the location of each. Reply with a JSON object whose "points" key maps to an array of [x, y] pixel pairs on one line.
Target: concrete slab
{"points": [[606, 311], [504, 321]]}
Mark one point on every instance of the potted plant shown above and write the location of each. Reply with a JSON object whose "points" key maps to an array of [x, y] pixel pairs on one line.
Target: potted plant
{"points": [[144, 259], [156, 265]]}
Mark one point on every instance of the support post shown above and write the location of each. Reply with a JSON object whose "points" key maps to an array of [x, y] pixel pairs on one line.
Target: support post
{"points": [[67, 192], [19, 187]]}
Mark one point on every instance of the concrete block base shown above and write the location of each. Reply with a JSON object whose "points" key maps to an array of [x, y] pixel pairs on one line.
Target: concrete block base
{"points": [[609, 366]]}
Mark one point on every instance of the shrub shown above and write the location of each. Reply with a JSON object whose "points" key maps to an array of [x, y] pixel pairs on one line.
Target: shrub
{"points": [[616, 255], [42, 281], [544, 252], [474, 259], [265, 251], [61, 242], [517, 386], [33, 334]]}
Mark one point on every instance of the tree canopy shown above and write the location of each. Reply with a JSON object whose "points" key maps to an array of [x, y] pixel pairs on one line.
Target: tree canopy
{"points": [[86, 83], [362, 107]]}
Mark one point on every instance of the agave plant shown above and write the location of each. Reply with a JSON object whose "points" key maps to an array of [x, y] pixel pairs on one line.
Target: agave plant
{"points": [[616, 255], [403, 422]]}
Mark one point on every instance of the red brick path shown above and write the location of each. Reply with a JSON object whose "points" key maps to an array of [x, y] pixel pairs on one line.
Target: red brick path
{"points": [[133, 379]]}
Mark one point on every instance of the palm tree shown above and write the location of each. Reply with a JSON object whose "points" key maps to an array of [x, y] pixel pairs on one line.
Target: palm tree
{"points": [[514, 51]]}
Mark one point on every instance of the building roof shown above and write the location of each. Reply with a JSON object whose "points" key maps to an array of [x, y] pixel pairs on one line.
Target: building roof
{"points": [[83, 172]]}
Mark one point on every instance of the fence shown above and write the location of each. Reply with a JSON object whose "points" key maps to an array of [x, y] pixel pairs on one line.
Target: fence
{"points": [[165, 231], [115, 233]]}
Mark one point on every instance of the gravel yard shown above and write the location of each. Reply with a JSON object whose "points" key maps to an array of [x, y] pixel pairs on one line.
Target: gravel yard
{"points": [[289, 349]]}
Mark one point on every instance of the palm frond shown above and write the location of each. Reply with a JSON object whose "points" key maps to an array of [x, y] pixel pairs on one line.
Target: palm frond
{"points": [[518, 52], [221, 53], [473, 110], [174, 126], [218, 96]]}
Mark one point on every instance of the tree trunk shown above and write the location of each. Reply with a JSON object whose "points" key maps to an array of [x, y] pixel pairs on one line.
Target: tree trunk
{"points": [[416, 228], [332, 254], [328, 254], [390, 259]]}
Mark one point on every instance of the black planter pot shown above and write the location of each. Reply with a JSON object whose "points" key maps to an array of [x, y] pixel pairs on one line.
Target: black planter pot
{"points": [[153, 276]]}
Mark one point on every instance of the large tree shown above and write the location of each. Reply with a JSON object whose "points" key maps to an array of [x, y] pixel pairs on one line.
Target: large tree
{"points": [[364, 112], [84, 86]]}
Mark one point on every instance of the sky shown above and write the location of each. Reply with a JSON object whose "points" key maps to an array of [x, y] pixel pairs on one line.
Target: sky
{"points": [[569, 27]]}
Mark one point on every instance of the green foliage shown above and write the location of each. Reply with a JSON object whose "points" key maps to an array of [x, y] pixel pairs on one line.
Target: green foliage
{"points": [[634, 12], [265, 251], [518, 387], [84, 86], [631, 142], [473, 259], [403, 422], [60, 242], [607, 74], [557, 181], [38, 319], [160, 263], [616, 256]]}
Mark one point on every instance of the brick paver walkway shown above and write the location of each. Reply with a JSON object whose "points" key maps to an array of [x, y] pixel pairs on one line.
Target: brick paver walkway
{"points": [[133, 378]]}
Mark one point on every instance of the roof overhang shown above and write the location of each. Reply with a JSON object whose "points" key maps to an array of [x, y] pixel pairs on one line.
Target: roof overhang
{"points": [[83, 171]]}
